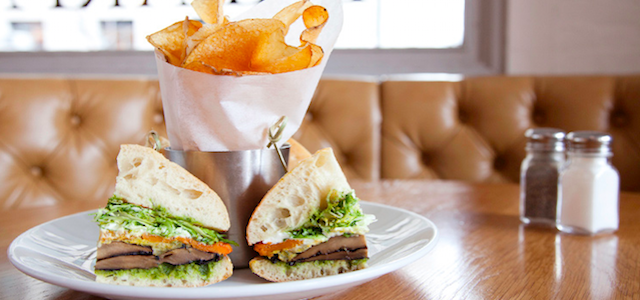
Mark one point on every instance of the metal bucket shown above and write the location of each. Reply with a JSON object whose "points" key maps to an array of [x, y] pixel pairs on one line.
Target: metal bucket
{"points": [[241, 179]]}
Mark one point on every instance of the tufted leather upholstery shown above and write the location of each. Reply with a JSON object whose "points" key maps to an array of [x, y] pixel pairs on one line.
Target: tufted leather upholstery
{"points": [[345, 115], [59, 137], [473, 130]]}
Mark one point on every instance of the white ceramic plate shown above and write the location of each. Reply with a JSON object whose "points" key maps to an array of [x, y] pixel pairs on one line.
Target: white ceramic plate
{"points": [[62, 252]]}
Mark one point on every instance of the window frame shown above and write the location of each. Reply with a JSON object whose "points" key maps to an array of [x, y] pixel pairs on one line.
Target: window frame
{"points": [[482, 53]]}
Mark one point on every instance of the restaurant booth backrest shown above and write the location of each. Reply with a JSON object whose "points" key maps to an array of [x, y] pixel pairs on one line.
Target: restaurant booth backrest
{"points": [[345, 115], [59, 136], [473, 129]]}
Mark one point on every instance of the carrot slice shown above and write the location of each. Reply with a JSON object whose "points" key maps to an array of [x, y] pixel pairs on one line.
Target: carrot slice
{"points": [[267, 249], [155, 238], [219, 247]]}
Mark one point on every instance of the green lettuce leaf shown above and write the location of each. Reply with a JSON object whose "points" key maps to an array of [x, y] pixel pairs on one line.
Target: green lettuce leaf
{"points": [[342, 211], [156, 221]]}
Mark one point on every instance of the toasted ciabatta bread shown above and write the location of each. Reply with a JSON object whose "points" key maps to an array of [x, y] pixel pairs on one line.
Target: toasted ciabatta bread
{"points": [[148, 179], [293, 199], [297, 153], [220, 271], [282, 272]]}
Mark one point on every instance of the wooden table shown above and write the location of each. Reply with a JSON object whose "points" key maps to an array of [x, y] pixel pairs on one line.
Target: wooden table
{"points": [[484, 252]]}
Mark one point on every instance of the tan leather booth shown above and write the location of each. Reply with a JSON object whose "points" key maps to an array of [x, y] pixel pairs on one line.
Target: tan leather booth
{"points": [[473, 129], [345, 115], [59, 136]]}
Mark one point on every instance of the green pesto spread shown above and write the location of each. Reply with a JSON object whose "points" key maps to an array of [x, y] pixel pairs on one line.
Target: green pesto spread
{"points": [[189, 271]]}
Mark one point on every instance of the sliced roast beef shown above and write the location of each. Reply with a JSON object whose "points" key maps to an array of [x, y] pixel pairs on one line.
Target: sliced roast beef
{"points": [[335, 248], [128, 262], [187, 255], [121, 248]]}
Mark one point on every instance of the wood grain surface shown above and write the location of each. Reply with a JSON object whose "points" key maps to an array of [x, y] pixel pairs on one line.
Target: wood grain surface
{"points": [[484, 252]]}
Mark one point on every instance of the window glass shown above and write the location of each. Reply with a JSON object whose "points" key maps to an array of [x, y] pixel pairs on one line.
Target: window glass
{"points": [[421, 24], [92, 25], [25, 36], [117, 35]]}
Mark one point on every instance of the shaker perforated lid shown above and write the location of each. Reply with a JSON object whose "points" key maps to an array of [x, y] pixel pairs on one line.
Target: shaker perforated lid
{"points": [[545, 139], [589, 142]]}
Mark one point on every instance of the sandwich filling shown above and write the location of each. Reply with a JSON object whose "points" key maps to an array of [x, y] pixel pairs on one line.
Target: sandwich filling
{"points": [[335, 232], [135, 237]]}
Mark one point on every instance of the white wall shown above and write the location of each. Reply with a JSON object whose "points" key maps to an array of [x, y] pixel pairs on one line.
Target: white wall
{"points": [[573, 37]]}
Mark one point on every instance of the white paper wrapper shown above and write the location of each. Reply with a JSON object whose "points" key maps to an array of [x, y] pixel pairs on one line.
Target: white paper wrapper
{"points": [[207, 112]]}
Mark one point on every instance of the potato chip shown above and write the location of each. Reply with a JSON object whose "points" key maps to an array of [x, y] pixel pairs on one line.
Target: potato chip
{"points": [[314, 19], [171, 40], [201, 67], [291, 13], [273, 55], [204, 68], [316, 55], [210, 11], [204, 32], [232, 46], [246, 47]]}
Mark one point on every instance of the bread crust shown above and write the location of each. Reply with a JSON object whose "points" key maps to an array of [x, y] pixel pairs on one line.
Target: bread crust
{"points": [[292, 200], [297, 153], [148, 179], [301, 271]]}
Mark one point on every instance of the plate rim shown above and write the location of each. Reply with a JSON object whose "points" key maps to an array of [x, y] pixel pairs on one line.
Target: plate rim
{"points": [[227, 292]]}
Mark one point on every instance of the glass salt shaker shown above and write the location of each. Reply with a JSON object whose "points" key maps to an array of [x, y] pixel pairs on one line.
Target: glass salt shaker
{"points": [[589, 186], [539, 175]]}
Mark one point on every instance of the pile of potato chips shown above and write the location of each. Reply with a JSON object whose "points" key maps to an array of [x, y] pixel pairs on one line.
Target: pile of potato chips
{"points": [[251, 46]]}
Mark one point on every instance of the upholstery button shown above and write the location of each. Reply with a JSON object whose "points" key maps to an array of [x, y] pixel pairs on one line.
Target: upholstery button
{"points": [[463, 116], [619, 119], [75, 120], [158, 118], [539, 117], [499, 163], [426, 159], [346, 158], [36, 171]]}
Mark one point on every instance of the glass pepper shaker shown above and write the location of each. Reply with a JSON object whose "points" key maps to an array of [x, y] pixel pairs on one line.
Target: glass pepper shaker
{"points": [[589, 186], [539, 174]]}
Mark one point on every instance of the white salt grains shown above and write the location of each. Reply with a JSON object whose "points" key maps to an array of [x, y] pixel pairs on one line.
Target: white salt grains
{"points": [[589, 186]]}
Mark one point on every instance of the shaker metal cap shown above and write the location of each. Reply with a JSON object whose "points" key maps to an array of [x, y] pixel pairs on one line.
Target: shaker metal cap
{"points": [[589, 142], [545, 139]]}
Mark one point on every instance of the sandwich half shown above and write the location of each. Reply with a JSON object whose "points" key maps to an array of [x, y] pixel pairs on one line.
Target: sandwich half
{"points": [[162, 227], [309, 224]]}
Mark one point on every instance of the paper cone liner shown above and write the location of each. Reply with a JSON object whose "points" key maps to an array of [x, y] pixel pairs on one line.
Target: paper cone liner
{"points": [[205, 112]]}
